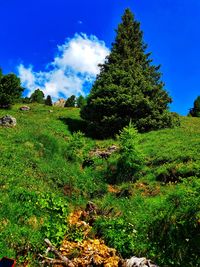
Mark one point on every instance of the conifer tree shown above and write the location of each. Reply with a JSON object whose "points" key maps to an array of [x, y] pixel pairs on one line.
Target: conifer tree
{"points": [[195, 111], [37, 96], [71, 101], [81, 101], [10, 89], [129, 86], [48, 101]]}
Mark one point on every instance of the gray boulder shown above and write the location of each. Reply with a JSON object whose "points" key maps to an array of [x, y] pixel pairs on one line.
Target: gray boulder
{"points": [[139, 262], [24, 108], [8, 121]]}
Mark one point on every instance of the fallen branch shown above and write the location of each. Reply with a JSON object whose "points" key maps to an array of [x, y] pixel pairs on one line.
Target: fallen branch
{"points": [[64, 260], [50, 260]]}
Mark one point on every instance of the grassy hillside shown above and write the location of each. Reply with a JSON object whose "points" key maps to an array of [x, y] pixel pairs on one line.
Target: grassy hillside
{"points": [[42, 180]]}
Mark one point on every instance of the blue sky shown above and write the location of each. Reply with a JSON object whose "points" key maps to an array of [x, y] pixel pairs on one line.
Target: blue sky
{"points": [[56, 44]]}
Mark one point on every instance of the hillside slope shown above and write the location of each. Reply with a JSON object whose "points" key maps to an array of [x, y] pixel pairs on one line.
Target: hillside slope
{"points": [[42, 180]]}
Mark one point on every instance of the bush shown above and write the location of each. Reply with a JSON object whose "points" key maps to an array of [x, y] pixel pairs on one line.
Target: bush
{"points": [[117, 233], [75, 146], [131, 159]]}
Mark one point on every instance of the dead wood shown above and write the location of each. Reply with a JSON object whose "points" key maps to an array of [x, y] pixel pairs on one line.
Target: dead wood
{"points": [[63, 260]]}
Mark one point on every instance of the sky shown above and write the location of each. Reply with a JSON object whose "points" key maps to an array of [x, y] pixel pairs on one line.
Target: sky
{"points": [[56, 45]]}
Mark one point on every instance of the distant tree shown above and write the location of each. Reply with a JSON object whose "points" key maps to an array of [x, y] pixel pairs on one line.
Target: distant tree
{"points": [[10, 89], [37, 96], [26, 100], [81, 101], [195, 111], [71, 101], [129, 87], [48, 101], [1, 74]]}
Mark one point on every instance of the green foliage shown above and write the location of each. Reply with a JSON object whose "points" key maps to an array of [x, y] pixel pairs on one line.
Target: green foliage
{"points": [[75, 234], [47, 145], [195, 111], [81, 101], [75, 146], [175, 232], [1, 73], [39, 187], [48, 101], [30, 217], [37, 97], [128, 87], [10, 89], [70, 102], [118, 233], [26, 100], [55, 225], [131, 159]]}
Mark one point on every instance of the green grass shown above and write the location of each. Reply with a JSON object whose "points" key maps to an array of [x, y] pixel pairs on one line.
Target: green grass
{"points": [[41, 181]]}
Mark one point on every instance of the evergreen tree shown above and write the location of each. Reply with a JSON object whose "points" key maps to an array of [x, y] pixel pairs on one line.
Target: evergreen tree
{"points": [[195, 111], [37, 96], [131, 158], [48, 101], [26, 100], [70, 102], [10, 89], [81, 101], [128, 86], [1, 73]]}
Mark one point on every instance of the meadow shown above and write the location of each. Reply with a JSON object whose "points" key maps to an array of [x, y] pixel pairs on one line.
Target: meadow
{"points": [[42, 180]]}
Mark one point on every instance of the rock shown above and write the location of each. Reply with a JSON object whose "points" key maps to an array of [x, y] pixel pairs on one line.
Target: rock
{"points": [[105, 153], [139, 262], [24, 108], [60, 103], [8, 121], [112, 148]]}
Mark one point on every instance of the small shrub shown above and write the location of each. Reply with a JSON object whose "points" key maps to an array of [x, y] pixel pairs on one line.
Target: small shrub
{"points": [[118, 234], [131, 159], [75, 146], [55, 210]]}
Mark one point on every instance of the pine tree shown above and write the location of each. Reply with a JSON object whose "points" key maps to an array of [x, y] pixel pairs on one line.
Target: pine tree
{"points": [[129, 86], [195, 111], [70, 102], [37, 96], [48, 101], [81, 101]]}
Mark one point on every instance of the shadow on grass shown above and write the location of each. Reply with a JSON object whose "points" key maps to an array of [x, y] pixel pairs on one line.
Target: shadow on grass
{"points": [[75, 125]]}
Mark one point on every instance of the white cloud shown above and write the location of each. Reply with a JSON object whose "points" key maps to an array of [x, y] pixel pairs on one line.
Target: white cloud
{"points": [[27, 76], [75, 64]]}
